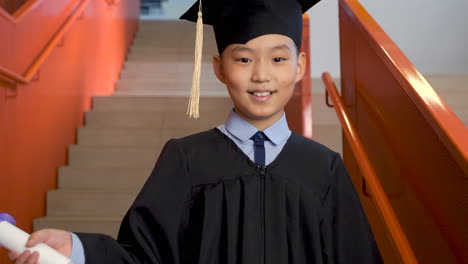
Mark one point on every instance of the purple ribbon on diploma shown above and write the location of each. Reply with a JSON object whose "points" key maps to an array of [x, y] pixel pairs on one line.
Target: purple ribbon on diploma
{"points": [[7, 217]]}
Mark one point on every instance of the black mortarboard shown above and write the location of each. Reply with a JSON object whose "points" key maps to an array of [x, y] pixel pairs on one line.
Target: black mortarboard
{"points": [[238, 21]]}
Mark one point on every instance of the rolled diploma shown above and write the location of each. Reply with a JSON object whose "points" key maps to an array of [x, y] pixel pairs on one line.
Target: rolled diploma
{"points": [[15, 239]]}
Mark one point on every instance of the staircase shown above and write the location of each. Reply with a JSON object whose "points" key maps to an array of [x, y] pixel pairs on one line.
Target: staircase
{"points": [[454, 91], [124, 133]]}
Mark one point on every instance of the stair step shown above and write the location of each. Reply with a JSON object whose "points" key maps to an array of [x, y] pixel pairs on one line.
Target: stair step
{"points": [[174, 32], [104, 179], [128, 137], [174, 93], [103, 225], [148, 49], [207, 74], [170, 25], [155, 67], [172, 42], [64, 202], [112, 157], [457, 100], [181, 85], [140, 103], [88, 136], [329, 135], [120, 119], [321, 113], [146, 119], [448, 83], [166, 57], [184, 39]]}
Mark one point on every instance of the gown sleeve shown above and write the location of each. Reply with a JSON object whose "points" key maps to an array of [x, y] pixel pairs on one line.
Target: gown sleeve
{"points": [[150, 230], [345, 232]]}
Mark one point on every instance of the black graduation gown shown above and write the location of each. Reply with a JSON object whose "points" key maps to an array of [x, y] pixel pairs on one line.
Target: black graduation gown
{"points": [[207, 202]]}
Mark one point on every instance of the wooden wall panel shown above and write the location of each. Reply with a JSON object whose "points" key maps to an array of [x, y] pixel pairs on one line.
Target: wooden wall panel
{"points": [[39, 120]]}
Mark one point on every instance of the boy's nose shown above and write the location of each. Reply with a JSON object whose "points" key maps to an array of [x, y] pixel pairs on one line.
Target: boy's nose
{"points": [[261, 73]]}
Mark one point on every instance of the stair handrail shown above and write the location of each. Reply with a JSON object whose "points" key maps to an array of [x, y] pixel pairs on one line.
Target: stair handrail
{"points": [[378, 194], [448, 126], [13, 77]]}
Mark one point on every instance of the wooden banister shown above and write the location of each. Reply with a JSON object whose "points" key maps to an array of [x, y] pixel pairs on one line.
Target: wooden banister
{"points": [[378, 194], [25, 78], [417, 145], [442, 119]]}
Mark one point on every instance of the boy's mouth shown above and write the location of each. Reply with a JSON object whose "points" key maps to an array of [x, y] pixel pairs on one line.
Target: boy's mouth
{"points": [[260, 94]]}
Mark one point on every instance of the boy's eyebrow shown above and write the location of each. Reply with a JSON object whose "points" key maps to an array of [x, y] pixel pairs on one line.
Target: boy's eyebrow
{"points": [[280, 47], [242, 48], [245, 48]]}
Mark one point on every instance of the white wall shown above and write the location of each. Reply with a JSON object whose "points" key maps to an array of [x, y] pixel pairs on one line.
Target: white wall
{"points": [[433, 34]]}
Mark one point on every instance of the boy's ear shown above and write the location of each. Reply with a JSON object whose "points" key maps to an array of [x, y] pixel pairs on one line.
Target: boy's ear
{"points": [[301, 66], [218, 68]]}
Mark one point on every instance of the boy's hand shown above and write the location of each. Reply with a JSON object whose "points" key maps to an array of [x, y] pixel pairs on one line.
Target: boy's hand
{"points": [[57, 239]]}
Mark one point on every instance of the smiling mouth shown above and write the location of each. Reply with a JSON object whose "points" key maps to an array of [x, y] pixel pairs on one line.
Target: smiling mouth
{"points": [[261, 94]]}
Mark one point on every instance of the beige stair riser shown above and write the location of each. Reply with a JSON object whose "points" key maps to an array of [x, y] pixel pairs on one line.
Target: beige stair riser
{"points": [[107, 137], [151, 35], [167, 75], [118, 137], [179, 66], [166, 44], [329, 135], [95, 204], [183, 85], [176, 120], [155, 50], [96, 157], [159, 56], [170, 58], [147, 34], [104, 179], [108, 227], [174, 93], [134, 103], [321, 113], [124, 119]]}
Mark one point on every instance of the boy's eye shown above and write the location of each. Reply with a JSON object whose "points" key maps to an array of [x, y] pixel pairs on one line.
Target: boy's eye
{"points": [[244, 60], [279, 59]]}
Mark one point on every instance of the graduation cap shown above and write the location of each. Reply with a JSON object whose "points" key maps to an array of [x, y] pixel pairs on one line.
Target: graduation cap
{"points": [[238, 21]]}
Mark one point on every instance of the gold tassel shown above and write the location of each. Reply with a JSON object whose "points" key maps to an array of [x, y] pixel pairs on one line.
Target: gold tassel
{"points": [[193, 107]]}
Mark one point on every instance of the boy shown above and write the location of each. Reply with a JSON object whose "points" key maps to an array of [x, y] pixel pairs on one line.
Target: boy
{"points": [[249, 191]]}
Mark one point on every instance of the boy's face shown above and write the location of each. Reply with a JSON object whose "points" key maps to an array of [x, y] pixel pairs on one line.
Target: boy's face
{"points": [[260, 76]]}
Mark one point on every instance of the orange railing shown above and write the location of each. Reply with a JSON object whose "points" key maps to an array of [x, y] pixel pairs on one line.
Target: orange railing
{"points": [[10, 76], [416, 145], [54, 56], [383, 204]]}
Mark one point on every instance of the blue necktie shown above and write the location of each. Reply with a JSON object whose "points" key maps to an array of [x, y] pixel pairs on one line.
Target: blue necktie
{"points": [[259, 147]]}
